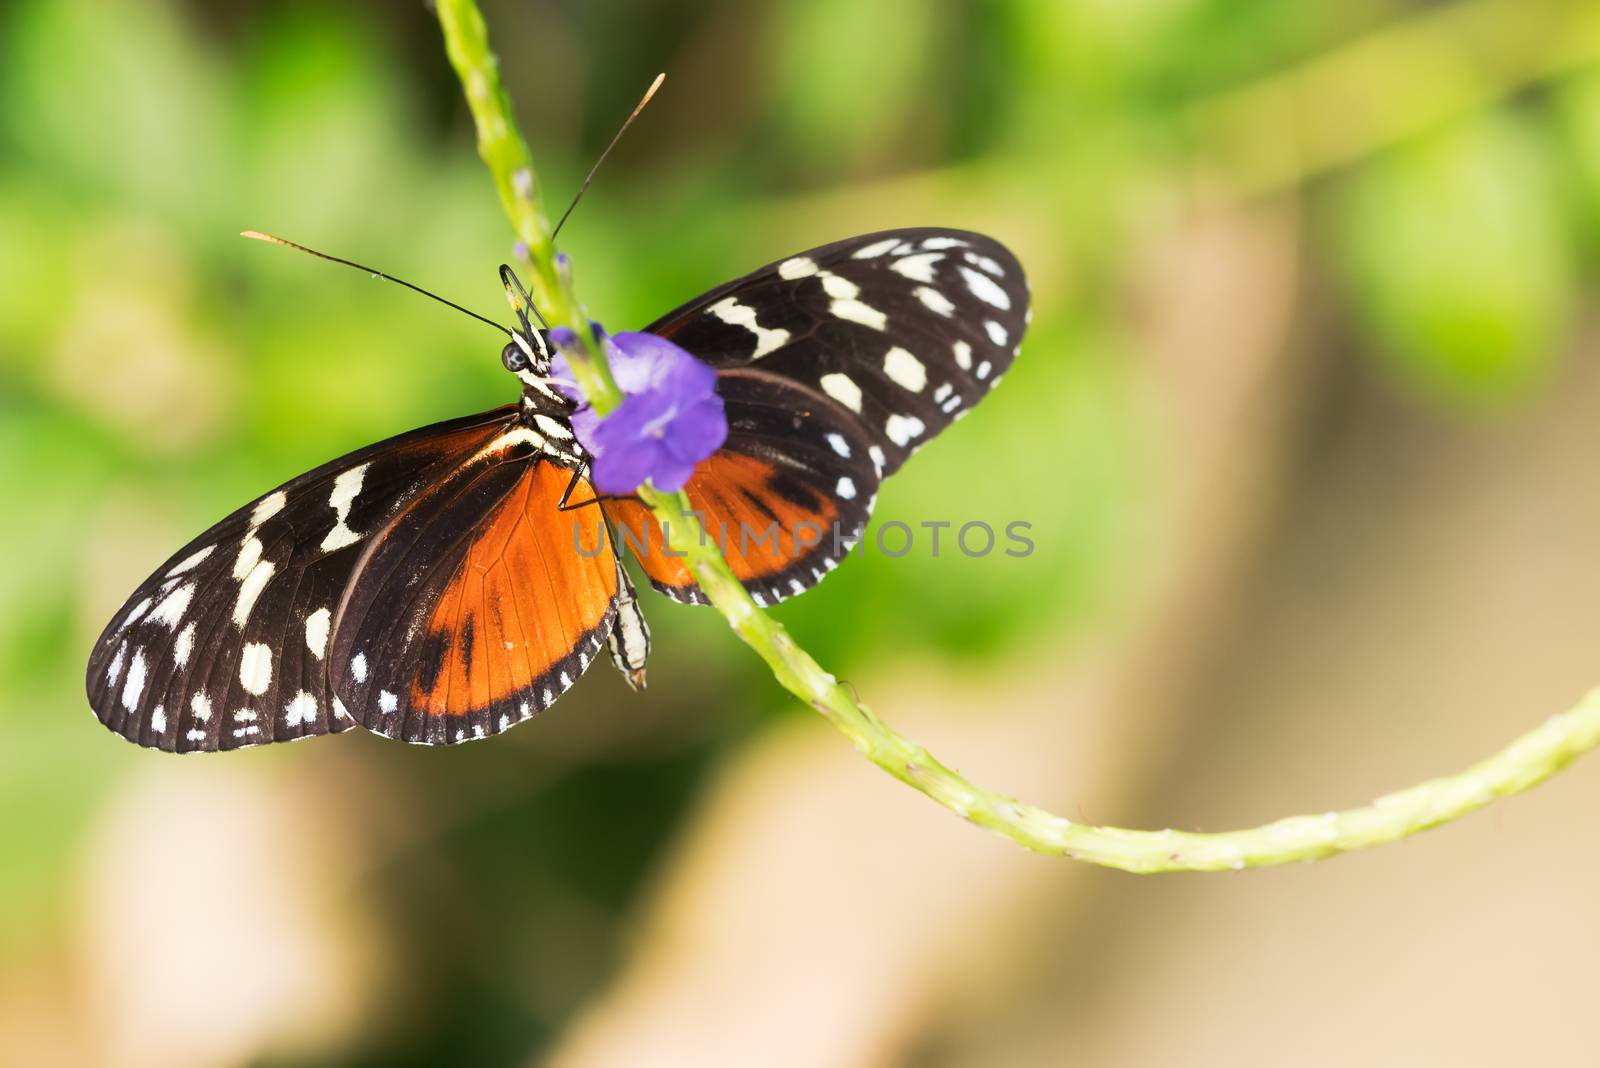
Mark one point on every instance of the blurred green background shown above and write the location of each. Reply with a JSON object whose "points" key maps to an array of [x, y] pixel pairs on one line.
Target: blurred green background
{"points": [[1299, 270]]}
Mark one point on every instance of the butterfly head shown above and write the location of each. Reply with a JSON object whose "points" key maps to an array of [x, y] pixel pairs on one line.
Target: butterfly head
{"points": [[527, 355]]}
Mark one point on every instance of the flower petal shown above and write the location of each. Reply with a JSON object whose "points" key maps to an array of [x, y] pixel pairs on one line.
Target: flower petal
{"points": [[670, 418], [699, 430], [672, 475]]}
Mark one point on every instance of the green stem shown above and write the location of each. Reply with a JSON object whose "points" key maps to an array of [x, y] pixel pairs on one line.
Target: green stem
{"points": [[1525, 763]]}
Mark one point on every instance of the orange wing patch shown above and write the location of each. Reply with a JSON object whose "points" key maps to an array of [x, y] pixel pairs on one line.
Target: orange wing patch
{"points": [[774, 529], [477, 605], [522, 603]]}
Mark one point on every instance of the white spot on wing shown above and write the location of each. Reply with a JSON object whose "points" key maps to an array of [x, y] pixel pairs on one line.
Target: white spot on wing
{"points": [[877, 248], [158, 719], [797, 267], [135, 614], [846, 489], [255, 668], [857, 312], [943, 242], [317, 632], [983, 370], [200, 705], [984, 263], [196, 735], [267, 507], [387, 702], [900, 429], [730, 311], [183, 646], [358, 667], [345, 490], [983, 287], [189, 561], [997, 333], [905, 370], [935, 300], [133, 689], [249, 556], [918, 268], [245, 715], [842, 389], [942, 392], [172, 607], [114, 669], [839, 445], [963, 353], [303, 709], [878, 459], [250, 589], [837, 287]]}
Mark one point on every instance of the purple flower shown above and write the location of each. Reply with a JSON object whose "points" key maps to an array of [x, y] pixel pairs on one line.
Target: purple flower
{"points": [[670, 417]]}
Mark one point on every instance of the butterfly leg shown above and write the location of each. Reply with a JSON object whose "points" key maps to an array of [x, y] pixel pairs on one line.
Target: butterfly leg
{"points": [[630, 637], [577, 474]]}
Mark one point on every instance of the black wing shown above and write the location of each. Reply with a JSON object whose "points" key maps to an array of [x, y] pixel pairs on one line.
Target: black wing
{"points": [[226, 644]]}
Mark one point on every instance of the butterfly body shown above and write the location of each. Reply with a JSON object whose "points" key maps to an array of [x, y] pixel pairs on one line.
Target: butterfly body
{"points": [[450, 582]]}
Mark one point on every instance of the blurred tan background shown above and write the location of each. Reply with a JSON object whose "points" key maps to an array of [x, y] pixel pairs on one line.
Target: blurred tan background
{"points": [[1304, 427]]}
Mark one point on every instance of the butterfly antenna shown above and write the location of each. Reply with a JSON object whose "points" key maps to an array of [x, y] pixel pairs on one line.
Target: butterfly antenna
{"points": [[256, 235], [584, 188], [521, 302]]}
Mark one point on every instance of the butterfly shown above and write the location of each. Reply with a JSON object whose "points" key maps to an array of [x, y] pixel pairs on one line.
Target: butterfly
{"points": [[433, 588]]}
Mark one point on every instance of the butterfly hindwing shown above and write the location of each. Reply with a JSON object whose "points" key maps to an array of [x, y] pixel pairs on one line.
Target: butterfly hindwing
{"points": [[785, 497], [226, 644], [479, 604]]}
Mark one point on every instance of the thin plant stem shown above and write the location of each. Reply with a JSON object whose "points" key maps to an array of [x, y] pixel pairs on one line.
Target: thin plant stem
{"points": [[1522, 765]]}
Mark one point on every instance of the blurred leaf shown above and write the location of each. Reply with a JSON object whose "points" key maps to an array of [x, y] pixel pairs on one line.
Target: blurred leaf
{"points": [[845, 76], [1459, 261], [115, 100], [34, 271], [1577, 104], [326, 119]]}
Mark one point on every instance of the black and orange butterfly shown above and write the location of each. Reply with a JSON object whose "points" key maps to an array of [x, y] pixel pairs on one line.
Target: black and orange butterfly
{"points": [[430, 587]]}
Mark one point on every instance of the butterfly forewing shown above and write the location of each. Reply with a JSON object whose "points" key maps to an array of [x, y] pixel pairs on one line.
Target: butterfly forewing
{"points": [[226, 644], [479, 604]]}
